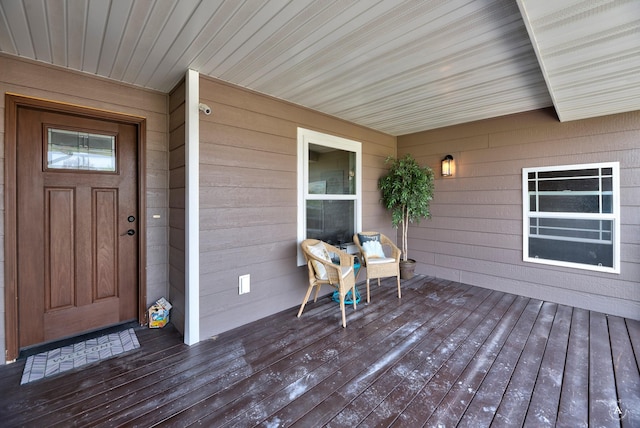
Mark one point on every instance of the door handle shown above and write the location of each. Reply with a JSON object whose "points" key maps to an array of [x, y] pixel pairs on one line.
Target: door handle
{"points": [[130, 232]]}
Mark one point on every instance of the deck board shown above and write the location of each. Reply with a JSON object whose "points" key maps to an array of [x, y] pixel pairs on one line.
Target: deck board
{"points": [[485, 403], [625, 371], [430, 374], [573, 409], [514, 405], [454, 405], [446, 354], [602, 386], [543, 406]]}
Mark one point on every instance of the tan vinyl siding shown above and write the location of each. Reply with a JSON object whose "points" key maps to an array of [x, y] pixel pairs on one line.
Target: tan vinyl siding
{"points": [[34, 79], [177, 205], [248, 201], [475, 235]]}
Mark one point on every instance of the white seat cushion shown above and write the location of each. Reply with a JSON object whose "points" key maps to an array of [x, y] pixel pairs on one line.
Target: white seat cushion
{"points": [[346, 270], [380, 260]]}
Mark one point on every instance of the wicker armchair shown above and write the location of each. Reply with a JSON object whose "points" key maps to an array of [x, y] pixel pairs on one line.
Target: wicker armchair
{"points": [[380, 265], [323, 271]]}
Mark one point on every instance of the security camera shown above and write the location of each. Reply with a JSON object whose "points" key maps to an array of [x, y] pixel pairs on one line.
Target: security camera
{"points": [[205, 109]]}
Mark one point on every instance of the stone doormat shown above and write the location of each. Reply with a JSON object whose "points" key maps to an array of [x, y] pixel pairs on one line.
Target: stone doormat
{"points": [[78, 354]]}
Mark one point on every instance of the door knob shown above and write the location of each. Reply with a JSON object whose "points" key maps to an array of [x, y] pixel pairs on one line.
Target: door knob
{"points": [[131, 232]]}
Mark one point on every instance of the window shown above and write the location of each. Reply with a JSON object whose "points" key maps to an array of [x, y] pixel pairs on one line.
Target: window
{"points": [[80, 151], [329, 188], [572, 216]]}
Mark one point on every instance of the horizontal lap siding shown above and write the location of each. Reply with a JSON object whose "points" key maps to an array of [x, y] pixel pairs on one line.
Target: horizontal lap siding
{"points": [[475, 235], [34, 79], [176, 171], [248, 201]]}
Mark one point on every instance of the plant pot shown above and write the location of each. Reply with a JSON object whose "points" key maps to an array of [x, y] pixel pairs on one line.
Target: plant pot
{"points": [[407, 269]]}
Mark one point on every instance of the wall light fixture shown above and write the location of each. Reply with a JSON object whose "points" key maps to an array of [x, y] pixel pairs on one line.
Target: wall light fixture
{"points": [[447, 166]]}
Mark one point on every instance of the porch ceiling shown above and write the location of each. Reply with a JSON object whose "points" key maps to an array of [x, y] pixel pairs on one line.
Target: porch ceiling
{"points": [[395, 66]]}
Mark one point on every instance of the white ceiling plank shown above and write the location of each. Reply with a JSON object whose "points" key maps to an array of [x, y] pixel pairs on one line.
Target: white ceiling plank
{"points": [[206, 42], [175, 23], [175, 57], [578, 75], [76, 25], [459, 88], [6, 40], [158, 18], [19, 27], [113, 36], [39, 29], [295, 43], [136, 22], [56, 16], [271, 29], [226, 38], [97, 14], [322, 49], [588, 51], [405, 44], [250, 35], [282, 34], [473, 97], [446, 63]]}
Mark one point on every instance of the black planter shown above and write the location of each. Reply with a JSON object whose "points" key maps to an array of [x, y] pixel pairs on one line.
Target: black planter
{"points": [[407, 269]]}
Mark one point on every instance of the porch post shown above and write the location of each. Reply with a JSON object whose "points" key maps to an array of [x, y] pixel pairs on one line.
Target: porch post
{"points": [[192, 209]]}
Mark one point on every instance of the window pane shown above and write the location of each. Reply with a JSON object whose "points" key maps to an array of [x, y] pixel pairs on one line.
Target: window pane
{"points": [[590, 253], [607, 204], [80, 151], [572, 229], [569, 203], [569, 173], [577, 185], [331, 171], [331, 221]]}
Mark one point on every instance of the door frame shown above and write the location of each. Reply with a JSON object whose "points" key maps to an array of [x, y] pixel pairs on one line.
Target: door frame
{"points": [[12, 103]]}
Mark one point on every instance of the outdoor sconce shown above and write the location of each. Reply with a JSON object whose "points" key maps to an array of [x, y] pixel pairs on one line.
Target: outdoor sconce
{"points": [[447, 166]]}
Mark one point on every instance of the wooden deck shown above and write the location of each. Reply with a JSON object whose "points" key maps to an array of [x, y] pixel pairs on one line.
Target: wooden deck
{"points": [[447, 355]]}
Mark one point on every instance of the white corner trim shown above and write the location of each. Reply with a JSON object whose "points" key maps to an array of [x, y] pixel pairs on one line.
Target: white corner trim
{"points": [[192, 208]]}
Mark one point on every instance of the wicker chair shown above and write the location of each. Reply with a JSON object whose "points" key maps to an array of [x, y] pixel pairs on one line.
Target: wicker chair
{"points": [[382, 265], [323, 271]]}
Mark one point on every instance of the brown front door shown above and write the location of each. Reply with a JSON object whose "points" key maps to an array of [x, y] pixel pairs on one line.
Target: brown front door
{"points": [[77, 217]]}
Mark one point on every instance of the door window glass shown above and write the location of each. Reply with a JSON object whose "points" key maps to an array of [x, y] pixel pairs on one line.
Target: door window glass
{"points": [[80, 151]]}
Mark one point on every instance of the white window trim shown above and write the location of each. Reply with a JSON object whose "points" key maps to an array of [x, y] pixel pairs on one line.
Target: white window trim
{"points": [[306, 137], [615, 216]]}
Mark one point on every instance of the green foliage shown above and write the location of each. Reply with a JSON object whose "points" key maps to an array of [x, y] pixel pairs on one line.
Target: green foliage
{"points": [[407, 190]]}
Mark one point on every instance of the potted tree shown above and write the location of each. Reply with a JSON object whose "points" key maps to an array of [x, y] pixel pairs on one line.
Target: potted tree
{"points": [[407, 190]]}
